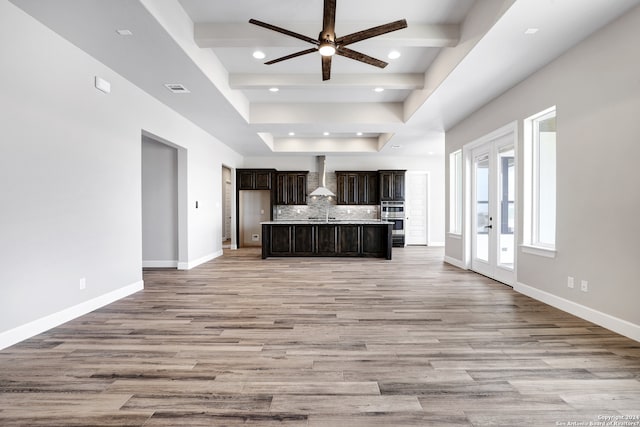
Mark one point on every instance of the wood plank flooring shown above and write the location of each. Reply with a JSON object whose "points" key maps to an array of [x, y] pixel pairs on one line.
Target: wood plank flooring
{"points": [[322, 342]]}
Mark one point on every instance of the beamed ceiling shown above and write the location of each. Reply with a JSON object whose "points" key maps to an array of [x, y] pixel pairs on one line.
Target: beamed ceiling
{"points": [[455, 55]]}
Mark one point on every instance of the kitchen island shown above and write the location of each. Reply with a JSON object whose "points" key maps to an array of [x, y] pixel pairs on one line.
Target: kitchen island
{"points": [[330, 238]]}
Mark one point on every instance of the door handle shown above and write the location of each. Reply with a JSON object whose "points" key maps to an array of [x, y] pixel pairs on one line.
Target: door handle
{"points": [[488, 226]]}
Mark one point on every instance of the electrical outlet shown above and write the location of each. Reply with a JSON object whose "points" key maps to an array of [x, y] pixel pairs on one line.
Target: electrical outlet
{"points": [[584, 286], [83, 283], [570, 282]]}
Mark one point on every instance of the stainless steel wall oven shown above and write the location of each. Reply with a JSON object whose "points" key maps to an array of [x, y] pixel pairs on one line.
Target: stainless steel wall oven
{"points": [[394, 212]]}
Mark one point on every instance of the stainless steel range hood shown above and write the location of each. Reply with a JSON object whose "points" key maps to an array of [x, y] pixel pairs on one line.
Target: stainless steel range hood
{"points": [[322, 190]]}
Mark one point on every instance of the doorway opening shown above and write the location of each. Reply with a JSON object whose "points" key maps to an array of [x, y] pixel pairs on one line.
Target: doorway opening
{"points": [[163, 207], [227, 195], [254, 207]]}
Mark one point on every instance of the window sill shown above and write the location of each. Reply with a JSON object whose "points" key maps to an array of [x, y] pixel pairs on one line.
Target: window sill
{"points": [[454, 236], [537, 250]]}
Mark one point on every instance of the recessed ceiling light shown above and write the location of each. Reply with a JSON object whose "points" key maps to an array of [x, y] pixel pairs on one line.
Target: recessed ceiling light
{"points": [[326, 134], [431, 153], [395, 147], [379, 89], [292, 134], [124, 32], [274, 89], [258, 54], [531, 30], [359, 133], [394, 54]]}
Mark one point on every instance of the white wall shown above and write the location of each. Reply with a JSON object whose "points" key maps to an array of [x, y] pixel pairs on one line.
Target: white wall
{"points": [[596, 88], [432, 164], [159, 204], [70, 180]]}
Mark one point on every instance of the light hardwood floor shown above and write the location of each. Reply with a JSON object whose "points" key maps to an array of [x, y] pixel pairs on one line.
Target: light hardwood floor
{"points": [[321, 342]]}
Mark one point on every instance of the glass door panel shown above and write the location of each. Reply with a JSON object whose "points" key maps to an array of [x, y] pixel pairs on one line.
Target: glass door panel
{"points": [[482, 217], [507, 193]]}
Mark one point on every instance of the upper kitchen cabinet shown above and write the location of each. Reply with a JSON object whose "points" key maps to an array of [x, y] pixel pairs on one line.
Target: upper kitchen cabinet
{"points": [[254, 179], [291, 188], [357, 188], [391, 185]]}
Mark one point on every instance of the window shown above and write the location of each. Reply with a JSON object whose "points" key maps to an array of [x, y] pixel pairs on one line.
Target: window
{"points": [[540, 180], [455, 192]]}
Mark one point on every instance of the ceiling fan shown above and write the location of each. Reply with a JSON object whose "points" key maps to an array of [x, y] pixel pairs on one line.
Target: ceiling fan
{"points": [[327, 43]]}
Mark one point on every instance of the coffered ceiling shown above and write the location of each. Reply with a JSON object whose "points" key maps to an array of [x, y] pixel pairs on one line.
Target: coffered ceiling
{"points": [[455, 56]]}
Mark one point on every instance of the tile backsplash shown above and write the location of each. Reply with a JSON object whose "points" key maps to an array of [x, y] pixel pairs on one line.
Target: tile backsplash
{"points": [[317, 207]]}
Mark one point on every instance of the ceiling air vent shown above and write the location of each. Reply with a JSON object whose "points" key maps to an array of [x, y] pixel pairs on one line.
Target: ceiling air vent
{"points": [[177, 88]]}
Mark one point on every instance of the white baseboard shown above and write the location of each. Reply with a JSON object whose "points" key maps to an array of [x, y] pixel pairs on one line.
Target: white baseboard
{"points": [[159, 264], [192, 264], [21, 333], [612, 323], [454, 262]]}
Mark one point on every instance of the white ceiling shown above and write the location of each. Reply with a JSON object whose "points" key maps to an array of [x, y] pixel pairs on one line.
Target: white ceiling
{"points": [[456, 55]]}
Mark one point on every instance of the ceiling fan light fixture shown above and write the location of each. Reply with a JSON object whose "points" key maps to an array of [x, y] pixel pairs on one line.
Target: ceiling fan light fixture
{"points": [[327, 49], [258, 54], [327, 44], [394, 54]]}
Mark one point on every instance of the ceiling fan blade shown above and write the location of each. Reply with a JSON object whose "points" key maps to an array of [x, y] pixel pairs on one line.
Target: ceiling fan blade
{"points": [[352, 54], [329, 19], [284, 31], [371, 32], [326, 68], [293, 55]]}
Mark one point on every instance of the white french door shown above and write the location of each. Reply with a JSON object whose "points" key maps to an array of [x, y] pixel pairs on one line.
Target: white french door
{"points": [[493, 190]]}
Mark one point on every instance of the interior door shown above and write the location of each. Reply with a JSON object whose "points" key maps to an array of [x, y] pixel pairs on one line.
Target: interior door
{"points": [[493, 190], [416, 208]]}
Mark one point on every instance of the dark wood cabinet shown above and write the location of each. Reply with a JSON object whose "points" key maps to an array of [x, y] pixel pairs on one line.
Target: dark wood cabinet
{"points": [[349, 240], [254, 179], [357, 188], [291, 188], [371, 192], [373, 238], [303, 239], [280, 240], [326, 240], [392, 185]]}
